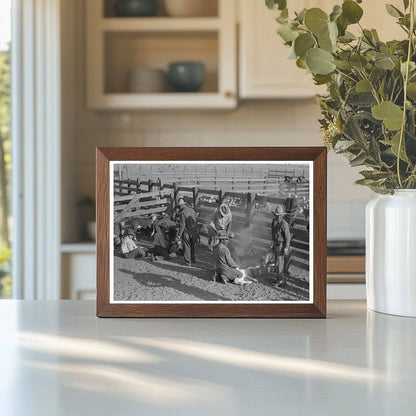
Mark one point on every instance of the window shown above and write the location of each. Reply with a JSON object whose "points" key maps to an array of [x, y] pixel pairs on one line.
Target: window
{"points": [[5, 145]]}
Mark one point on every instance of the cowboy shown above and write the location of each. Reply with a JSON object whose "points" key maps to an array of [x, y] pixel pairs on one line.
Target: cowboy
{"points": [[129, 248], [221, 222], [281, 243], [226, 268], [188, 231], [164, 230]]}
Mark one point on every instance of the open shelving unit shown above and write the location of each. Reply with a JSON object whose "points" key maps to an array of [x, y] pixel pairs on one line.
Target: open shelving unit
{"points": [[118, 45]]}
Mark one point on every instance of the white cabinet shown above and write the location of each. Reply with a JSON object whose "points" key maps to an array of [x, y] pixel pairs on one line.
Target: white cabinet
{"points": [[118, 45], [265, 70]]}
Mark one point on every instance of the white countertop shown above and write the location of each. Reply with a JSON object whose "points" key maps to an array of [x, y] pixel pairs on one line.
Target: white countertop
{"points": [[57, 359]]}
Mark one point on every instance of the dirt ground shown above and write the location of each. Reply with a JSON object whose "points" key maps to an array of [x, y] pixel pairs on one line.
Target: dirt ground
{"points": [[171, 280]]}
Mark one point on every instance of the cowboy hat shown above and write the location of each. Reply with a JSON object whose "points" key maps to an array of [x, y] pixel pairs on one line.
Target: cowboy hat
{"points": [[181, 202], [279, 210], [224, 210]]}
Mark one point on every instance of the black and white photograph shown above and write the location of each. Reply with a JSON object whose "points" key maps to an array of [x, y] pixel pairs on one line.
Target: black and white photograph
{"points": [[211, 232]]}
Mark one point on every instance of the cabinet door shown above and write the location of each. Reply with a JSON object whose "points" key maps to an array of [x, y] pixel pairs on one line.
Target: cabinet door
{"points": [[265, 68]]}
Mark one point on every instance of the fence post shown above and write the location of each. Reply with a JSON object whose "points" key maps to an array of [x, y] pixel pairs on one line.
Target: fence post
{"points": [[251, 200], [138, 186], [221, 196], [195, 192], [175, 194], [159, 184], [149, 185]]}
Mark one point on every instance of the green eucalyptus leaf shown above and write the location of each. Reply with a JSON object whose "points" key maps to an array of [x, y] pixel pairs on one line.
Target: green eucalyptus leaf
{"points": [[374, 150], [347, 37], [368, 36], [358, 61], [300, 17], [377, 75], [325, 42], [301, 63], [343, 145], [374, 175], [363, 86], [276, 4], [336, 12], [286, 32], [343, 65], [364, 182], [361, 99], [351, 11], [393, 11], [391, 114], [394, 146], [396, 71], [342, 25], [411, 90], [319, 61], [333, 32], [412, 67], [375, 35], [321, 79], [354, 131], [303, 43], [358, 160], [385, 63], [316, 20]]}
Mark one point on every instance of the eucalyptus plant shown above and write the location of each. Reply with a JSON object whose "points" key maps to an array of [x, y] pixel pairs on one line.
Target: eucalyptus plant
{"points": [[369, 112]]}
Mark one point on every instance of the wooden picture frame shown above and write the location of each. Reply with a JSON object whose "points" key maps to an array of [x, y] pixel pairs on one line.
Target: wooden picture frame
{"points": [[315, 307]]}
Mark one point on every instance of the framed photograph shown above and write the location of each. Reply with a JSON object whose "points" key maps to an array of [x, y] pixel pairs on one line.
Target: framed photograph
{"points": [[211, 232]]}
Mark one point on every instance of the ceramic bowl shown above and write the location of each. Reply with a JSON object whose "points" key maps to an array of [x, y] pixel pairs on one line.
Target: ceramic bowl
{"points": [[186, 76], [147, 80], [135, 8]]}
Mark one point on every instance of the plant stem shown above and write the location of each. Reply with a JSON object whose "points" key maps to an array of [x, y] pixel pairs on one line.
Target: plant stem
{"points": [[345, 75], [406, 80]]}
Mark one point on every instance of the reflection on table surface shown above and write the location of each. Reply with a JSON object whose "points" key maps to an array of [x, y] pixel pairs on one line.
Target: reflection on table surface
{"points": [[57, 358]]}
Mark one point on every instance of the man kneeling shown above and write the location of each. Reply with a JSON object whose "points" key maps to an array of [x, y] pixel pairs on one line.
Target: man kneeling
{"points": [[226, 269]]}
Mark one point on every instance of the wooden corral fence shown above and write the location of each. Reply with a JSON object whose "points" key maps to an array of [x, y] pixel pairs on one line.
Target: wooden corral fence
{"points": [[297, 188], [252, 213], [259, 184]]}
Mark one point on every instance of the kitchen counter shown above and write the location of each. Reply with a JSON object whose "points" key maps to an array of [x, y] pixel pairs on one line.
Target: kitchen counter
{"points": [[57, 358]]}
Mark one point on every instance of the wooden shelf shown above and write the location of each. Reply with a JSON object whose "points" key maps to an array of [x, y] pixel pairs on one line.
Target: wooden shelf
{"points": [[159, 24], [128, 101]]}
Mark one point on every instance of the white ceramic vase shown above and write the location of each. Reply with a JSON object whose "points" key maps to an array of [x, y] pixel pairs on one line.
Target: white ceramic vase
{"points": [[391, 253]]}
